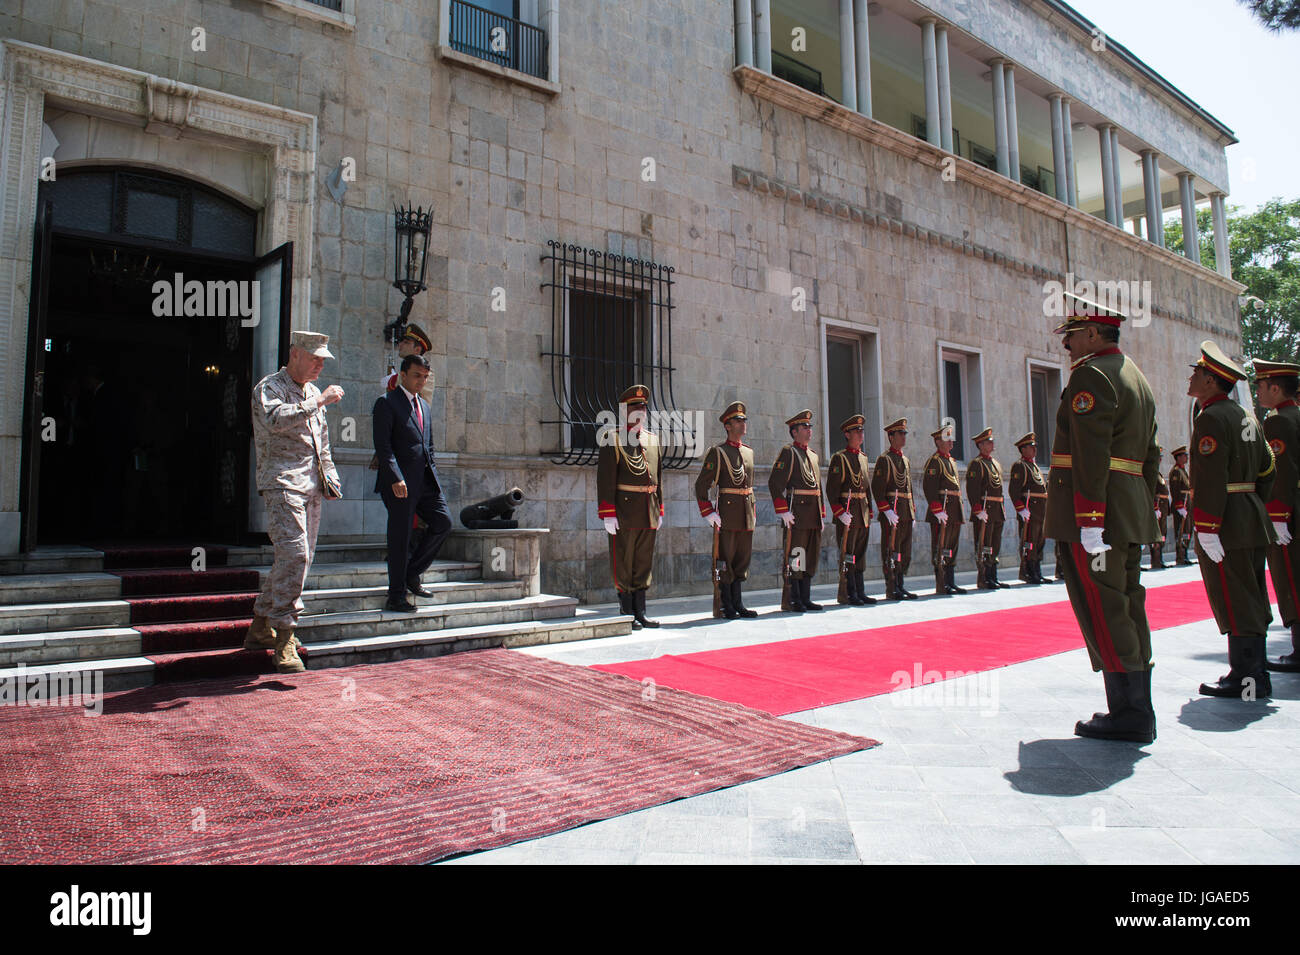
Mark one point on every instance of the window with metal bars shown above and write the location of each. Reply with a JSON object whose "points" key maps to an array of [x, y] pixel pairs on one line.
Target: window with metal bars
{"points": [[611, 328]]}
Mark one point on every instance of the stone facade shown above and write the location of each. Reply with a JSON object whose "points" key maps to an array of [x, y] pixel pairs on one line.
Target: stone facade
{"points": [[759, 187]]}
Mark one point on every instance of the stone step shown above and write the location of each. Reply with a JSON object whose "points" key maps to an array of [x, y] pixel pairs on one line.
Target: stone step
{"points": [[357, 552], [73, 559], [54, 560]]}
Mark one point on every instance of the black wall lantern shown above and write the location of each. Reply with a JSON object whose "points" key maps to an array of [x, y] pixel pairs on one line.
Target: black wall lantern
{"points": [[411, 229]]}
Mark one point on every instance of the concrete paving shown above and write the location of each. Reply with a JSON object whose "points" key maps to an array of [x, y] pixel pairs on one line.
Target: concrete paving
{"points": [[987, 772]]}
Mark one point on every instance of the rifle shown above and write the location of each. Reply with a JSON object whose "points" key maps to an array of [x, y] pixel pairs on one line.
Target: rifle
{"points": [[845, 562], [785, 572], [1026, 545], [717, 577], [984, 552]]}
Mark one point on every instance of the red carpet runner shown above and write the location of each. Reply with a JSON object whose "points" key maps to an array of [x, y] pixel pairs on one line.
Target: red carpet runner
{"points": [[795, 675], [394, 762]]}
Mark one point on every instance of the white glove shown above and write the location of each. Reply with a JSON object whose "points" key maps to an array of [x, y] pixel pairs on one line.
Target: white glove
{"points": [[611, 525], [890, 516], [1024, 513], [1211, 545], [941, 517], [983, 516], [1090, 538], [1182, 511], [1283, 532], [663, 519], [713, 518], [1157, 513], [787, 518], [847, 519]]}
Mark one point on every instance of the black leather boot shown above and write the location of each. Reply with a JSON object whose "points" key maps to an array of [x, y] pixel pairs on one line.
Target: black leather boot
{"points": [[741, 609], [940, 582], [805, 594], [891, 580], [1130, 717], [1025, 573], [860, 586], [993, 576], [1288, 662], [625, 607], [1245, 662], [902, 587], [638, 609], [950, 575], [728, 603]]}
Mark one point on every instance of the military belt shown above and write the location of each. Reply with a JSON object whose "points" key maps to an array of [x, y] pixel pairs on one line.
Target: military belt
{"points": [[1038, 494], [857, 495], [736, 490], [992, 500], [1122, 465], [815, 492], [1244, 487], [638, 488], [905, 495], [951, 493]]}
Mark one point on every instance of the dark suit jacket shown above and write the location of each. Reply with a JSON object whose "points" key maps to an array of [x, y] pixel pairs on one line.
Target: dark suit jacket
{"points": [[403, 452]]}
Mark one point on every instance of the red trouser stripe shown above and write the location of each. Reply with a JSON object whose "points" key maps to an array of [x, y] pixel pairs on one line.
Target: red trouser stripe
{"points": [[613, 561], [1105, 645], [1290, 579], [1227, 601]]}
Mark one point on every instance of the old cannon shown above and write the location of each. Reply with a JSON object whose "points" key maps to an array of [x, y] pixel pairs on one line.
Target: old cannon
{"points": [[495, 513]]}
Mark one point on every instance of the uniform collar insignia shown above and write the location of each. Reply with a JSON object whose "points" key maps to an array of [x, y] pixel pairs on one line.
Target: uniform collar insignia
{"points": [[1213, 399]]}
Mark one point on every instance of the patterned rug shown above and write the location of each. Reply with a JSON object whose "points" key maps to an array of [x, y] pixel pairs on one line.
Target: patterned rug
{"points": [[396, 762]]}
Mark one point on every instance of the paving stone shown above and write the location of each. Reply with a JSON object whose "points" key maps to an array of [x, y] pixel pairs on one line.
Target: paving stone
{"points": [[802, 838], [1234, 846], [1001, 845], [908, 843], [1125, 846]]}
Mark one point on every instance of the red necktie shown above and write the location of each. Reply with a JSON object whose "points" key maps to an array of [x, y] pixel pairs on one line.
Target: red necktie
{"points": [[419, 416]]}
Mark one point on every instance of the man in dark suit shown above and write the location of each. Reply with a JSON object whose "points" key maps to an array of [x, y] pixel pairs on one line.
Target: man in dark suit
{"points": [[408, 482]]}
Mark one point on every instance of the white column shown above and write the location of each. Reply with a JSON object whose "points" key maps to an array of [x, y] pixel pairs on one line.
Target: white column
{"points": [[1013, 124], [1107, 171], [1158, 212], [1116, 171], [1000, 116], [763, 34], [848, 62], [551, 24], [945, 88], [1222, 263], [1058, 148], [1067, 128], [744, 32], [930, 67], [1191, 236], [863, 44]]}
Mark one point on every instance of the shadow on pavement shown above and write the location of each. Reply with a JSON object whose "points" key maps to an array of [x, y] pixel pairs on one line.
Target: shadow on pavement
{"points": [[1098, 765], [1216, 715]]}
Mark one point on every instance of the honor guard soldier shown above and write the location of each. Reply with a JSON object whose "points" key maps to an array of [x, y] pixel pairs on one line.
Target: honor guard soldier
{"points": [[1180, 496], [984, 491], [796, 490], [849, 491], [1278, 383], [730, 466], [891, 486], [1099, 493], [1162, 509], [1028, 491], [628, 484], [1232, 472], [944, 514]]}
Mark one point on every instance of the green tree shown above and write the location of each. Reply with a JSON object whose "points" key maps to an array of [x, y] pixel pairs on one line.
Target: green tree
{"points": [[1277, 15]]}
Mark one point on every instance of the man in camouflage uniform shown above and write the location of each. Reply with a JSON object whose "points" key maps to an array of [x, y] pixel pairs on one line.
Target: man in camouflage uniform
{"points": [[891, 486], [629, 482], [849, 492], [1278, 383], [795, 486], [295, 471], [1180, 495], [1099, 494], [943, 514], [1028, 492], [730, 467], [1162, 510], [1232, 472], [984, 491]]}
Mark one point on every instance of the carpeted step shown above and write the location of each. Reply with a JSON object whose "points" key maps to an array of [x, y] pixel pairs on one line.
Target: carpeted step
{"points": [[191, 636], [191, 609], [214, 664], [133, 556], [164, 581]]}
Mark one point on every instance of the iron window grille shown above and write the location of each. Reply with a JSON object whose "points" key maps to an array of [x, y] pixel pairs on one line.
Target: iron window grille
{"points": [[497, 38], [611, 327]]}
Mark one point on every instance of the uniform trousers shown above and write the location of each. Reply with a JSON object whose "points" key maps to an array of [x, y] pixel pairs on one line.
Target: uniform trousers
{"points": [[292, 522], [1109, 603], [1284, 563], [631, 556], [1237, 592]]}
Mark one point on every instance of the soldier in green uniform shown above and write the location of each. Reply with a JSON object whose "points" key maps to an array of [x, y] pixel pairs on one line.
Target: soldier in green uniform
{"points": [[1278, 383], [1232, 472], [984, 491], [730, 467], [944, 515], [796, 490], [891, 486], [1161, 511], [1180, 495], [1028, 492], [628, 485], [1099, 494], [848, 490]]}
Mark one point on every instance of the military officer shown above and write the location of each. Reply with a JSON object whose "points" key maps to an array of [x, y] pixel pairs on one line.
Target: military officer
{"points": [[796, 490], [891, 486], [730, 467], [1232, 472], [985, 493], [1180, 496], [629, 486], [1099, 494], [413, 342], [944, 514], [1161, 511], [849, 491], [1278, 383], [1028, 492]]}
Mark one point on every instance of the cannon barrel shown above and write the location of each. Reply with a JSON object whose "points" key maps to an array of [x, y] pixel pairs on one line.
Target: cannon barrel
{"points": [[493, 512]]}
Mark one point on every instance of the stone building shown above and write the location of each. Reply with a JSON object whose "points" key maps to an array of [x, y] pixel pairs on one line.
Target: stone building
{"points": [[831, 204]]}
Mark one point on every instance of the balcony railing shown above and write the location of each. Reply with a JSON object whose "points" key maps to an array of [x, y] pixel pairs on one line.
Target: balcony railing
{"points": [[498, 39], [336, 5]]}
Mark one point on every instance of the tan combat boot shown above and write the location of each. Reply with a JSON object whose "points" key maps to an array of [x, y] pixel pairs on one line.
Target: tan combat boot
{"points": [[286, 657], [261, 635]]}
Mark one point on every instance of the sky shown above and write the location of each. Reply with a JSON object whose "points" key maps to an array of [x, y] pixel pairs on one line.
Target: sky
{"points": [[1256, 93]]}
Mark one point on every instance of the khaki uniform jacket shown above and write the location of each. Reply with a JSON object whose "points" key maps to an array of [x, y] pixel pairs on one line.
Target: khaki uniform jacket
{"points": [[291, 435], [1180, 489], [1104, 454], [1163, 500], [893, 475], [637, 466], [798, 470], [984, 488], [723, 465], [941, 476], [1282, 428], [1026, 478], [847, 475], [1232, 472]]}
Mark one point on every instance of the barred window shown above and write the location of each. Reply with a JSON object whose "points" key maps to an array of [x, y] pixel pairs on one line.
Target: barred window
{"points": [[496, 31]]}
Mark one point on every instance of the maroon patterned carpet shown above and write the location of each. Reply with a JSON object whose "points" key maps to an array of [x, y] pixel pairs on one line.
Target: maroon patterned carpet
{"points": [[396, 762]]}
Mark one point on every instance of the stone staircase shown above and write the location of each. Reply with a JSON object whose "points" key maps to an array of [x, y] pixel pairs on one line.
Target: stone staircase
{"points": [[143, 616]]}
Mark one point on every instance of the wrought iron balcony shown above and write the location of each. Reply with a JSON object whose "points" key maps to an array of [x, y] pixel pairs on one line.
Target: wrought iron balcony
{"points": [[498, 39]]}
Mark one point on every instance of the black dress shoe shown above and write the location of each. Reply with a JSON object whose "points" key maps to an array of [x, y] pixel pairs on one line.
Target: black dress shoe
{"points": [[417, 588], [399, 605]]}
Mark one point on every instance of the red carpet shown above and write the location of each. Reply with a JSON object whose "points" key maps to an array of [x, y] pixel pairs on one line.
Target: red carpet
{"points": [[162, 582], [795, 675], [394, 762]]}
